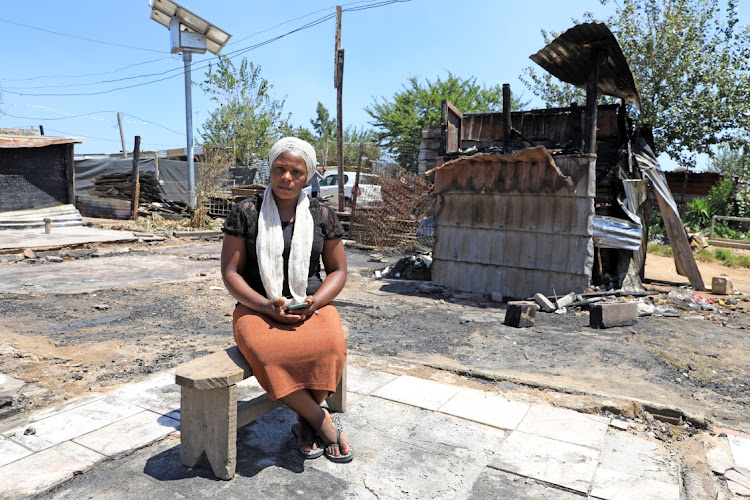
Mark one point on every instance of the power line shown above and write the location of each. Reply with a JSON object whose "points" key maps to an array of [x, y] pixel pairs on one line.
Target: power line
{"points": [[108, 140], [229, 55], [156, 124], [77, 37], [89, 74], [88, 115]]}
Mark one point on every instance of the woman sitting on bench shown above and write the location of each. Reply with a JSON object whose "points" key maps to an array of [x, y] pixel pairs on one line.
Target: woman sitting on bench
{"points": [[284, 323]]}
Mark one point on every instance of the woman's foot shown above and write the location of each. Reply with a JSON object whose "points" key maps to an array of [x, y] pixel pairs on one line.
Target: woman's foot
{"points": [[307, 439], [336, 444]]}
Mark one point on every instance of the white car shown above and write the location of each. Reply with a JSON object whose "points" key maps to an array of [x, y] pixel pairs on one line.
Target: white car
{"points": [[368, 194]]}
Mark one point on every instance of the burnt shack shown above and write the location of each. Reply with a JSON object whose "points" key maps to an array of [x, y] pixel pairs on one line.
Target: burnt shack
{"points": [[36, 179], [553, 200]]}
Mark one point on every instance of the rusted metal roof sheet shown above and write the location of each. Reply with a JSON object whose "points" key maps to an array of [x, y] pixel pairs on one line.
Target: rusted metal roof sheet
{"points": [[552, 126], [568, 57], [35, 141], [517, 224]]}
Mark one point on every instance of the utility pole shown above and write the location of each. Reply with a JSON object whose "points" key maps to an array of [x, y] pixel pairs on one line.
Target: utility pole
{"points": [[122, 136], [135, 178], [338, 76]]}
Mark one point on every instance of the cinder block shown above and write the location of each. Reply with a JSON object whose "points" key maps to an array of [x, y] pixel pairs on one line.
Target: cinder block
{"points": [[721, 286], [497, 297], [521, 314], [566, 300], [544, 303], [611, 314]]}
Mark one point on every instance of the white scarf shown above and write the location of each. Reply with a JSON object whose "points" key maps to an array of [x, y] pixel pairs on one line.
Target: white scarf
{"points": [[269, 245]]}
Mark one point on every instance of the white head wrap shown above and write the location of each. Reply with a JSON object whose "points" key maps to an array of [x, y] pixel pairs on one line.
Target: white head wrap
{"points": [[269, 245], [296, 146]]}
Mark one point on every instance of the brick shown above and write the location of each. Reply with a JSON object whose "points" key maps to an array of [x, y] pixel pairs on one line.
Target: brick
{"points": [[544, 303], [611, 314], [721, 286], [566, 300], [521, 314]]}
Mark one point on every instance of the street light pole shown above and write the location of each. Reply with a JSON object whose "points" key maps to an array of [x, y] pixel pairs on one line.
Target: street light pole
{"points": [[187, 58]]}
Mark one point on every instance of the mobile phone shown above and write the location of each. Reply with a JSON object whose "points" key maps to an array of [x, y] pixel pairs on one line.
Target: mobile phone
{"points": [[296, 306]]}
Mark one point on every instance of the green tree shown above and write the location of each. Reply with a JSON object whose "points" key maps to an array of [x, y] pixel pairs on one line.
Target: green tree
{"points": [[731, 161], [248, 118], [399, 120], [690, 60], [323, 125]]}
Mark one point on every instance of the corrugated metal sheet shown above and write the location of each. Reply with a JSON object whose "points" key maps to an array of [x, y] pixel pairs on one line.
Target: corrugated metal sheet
{"points": [[35, 141], [61, 216], [544, 127], [517, 224], [611, 232], [568, 57]]}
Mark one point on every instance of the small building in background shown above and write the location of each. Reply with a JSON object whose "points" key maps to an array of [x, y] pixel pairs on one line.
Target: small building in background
{"points": [[36, 179]]}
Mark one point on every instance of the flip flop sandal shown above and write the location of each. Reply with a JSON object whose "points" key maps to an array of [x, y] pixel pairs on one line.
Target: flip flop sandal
{"points": [[340, 458], [311, 453]]}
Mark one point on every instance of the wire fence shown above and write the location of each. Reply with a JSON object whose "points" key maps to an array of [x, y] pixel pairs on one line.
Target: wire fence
{"points": [[407, 202]]}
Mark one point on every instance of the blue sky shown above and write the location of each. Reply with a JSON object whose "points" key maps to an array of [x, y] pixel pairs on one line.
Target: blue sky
{"points": [[488, 39]]}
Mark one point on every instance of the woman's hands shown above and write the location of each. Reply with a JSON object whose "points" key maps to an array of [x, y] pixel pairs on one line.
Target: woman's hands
{"points": [[276, 309]]}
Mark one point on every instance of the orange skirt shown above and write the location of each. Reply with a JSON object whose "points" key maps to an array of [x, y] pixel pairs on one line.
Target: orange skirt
{"points": [[287, 358]]}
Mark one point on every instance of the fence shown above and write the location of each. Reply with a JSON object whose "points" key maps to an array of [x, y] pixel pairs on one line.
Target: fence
{"points": [[407, 202]]}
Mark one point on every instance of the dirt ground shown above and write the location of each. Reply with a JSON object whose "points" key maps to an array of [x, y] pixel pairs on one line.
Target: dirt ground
{"points": [[65, 336]]}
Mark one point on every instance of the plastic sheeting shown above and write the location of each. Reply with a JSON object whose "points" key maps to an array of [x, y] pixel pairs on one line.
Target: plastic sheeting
{"points": [[173, 175]]}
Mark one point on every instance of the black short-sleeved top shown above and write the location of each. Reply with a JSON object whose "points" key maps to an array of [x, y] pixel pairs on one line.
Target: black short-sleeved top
{"points": [[243, 223]]}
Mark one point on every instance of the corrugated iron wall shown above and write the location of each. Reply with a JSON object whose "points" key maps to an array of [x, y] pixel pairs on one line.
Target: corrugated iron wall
{"points": [[517, 224]]}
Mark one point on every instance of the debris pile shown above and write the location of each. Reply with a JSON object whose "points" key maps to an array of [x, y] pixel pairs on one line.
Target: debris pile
{"points": [[415, 267]]}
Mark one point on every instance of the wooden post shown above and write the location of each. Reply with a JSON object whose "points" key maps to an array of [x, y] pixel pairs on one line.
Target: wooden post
{"points": [[336, 47], [156, 165], [356, 187], [507, 122], [340, 126], [122, 135], [338, 80], [592, 101], [135, 180], [575, 125]]}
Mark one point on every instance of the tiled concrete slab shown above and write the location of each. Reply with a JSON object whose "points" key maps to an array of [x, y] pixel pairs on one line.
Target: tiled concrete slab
{"points": [[486, 407], [159, 393], [499, 485], [740, 450], [16, 421], [426, 394], [10, 451], [614, 485], [36, 473], [568, 465], [451, 435], [565, 425], [364, 381], [128, 434], [639, 457], [71, 424]]}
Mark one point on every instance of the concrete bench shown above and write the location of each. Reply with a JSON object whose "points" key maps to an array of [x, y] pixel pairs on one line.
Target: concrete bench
{"points": [[210, 413]]}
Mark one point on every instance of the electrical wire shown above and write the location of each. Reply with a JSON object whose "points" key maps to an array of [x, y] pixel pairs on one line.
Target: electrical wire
{"points": [[88, 115], [68, 134], [78, 37], [229, 55], [88, 74]]}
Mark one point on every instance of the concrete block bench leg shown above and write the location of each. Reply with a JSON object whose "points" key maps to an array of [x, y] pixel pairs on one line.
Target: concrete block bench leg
{"points": [[208, 426]]}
